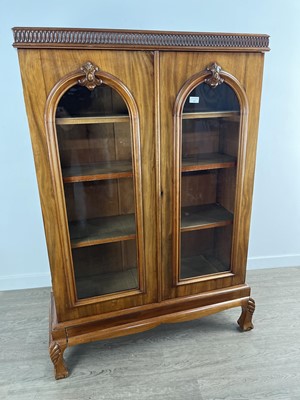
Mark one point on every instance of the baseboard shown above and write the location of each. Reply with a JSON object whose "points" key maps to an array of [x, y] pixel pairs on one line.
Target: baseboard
{"points": [[24, 281], [291, 260]]}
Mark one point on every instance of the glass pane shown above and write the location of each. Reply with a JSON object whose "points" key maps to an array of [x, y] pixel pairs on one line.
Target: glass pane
{"points": [[210, 140], [100, 211], [95, 148], [205, 251], [205, 98], [104, 269], [78, 101]]}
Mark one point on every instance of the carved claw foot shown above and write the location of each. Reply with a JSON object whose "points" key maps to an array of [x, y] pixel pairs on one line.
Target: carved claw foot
{"points": [[56, 352], [245, 320]]}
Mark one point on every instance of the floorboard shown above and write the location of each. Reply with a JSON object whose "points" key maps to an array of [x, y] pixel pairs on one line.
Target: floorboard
{"points": [[205, 359]]}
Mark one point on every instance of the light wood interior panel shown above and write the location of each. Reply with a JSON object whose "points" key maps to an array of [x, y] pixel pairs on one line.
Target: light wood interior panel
{"points": [[229, 136], [105, 269], [198, 188], [226, 188], [205, 252], [93, 143], [104, 258], [223, 243], [87, 200], [200, 136]]}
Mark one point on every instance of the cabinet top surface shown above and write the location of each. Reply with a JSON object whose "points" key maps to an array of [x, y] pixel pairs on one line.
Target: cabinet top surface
{"points": [[71, 38]]}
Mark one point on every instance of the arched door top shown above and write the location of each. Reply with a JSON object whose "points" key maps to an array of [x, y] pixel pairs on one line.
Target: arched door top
{"points": [[213, 76], [89, 76]]}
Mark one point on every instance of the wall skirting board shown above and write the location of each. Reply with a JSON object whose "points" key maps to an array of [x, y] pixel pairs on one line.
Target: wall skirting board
{"points": [[290, 260], [30, 281], [24, 281]]}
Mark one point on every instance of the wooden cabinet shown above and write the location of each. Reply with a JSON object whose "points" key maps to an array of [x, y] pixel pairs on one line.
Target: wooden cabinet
{"points": [[144, 146]]}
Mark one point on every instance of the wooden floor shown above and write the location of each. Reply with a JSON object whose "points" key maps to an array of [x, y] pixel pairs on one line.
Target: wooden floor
{"points": [[206, 359]]}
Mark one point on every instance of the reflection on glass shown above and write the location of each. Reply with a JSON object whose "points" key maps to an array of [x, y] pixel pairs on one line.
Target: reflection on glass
{"points": [[78, 101], [210, 139], [105, 268], [95, 149], [205, 98], [94, 141]]}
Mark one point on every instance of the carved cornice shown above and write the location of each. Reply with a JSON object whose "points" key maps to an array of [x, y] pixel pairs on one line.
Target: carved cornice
{"points": [[85, 38]]}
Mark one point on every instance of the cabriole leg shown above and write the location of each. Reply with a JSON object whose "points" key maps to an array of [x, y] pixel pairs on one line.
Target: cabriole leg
{"points": [[56, 351], [245, 320]]}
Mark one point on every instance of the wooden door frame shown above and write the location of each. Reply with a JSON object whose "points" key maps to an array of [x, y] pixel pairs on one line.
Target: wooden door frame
{"points": [[183, 93]]}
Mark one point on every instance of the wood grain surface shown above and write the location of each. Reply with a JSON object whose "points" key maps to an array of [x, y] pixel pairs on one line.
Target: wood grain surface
{"points": [[127, 211], [246, 70], [63, 66]]}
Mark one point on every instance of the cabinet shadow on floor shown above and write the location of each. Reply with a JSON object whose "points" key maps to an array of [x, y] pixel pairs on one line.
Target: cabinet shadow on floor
{"points": [[151, 341]]}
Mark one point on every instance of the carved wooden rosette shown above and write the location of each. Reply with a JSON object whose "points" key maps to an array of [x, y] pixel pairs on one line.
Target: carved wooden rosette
{"points": [[90, 81], [56, 352], [215, 79], [245, 320]]}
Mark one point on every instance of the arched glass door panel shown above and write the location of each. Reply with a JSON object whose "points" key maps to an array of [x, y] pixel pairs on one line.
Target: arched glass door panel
{"points": [[210, 129], [97, 150]]}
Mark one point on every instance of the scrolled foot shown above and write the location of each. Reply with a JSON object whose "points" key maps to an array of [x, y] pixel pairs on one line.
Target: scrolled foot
{"points": [[245, 320], [56, 352]]}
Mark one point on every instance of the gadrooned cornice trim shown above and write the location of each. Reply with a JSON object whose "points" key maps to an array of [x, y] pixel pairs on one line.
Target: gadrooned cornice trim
{"points": [[68, 38]]}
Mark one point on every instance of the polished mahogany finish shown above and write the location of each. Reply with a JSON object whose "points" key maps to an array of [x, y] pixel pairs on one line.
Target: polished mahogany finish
{"points": [[144, 147], [134, 39]]}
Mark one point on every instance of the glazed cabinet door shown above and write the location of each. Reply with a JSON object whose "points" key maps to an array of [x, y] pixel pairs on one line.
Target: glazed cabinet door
{"points": [[99, 132], [206, 208], [100, 161]]}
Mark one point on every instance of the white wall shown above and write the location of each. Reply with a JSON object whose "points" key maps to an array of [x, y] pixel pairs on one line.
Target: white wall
{"points": [[275, 227]]}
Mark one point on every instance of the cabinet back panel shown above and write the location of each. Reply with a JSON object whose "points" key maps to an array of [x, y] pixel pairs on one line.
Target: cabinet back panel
{"points": [[226, 188], [105, 269], [198, 188], [87, 200], [93, 143], [104, 258], [229, 137], [197, 242], [199, 136]]}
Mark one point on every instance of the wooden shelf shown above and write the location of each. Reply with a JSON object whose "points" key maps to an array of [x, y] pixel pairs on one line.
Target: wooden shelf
{"points": [[207, 161], [102, 230], [99, 171], [210, 114], [106, 283], [200, 265], [204, 217], [105, 119]]}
